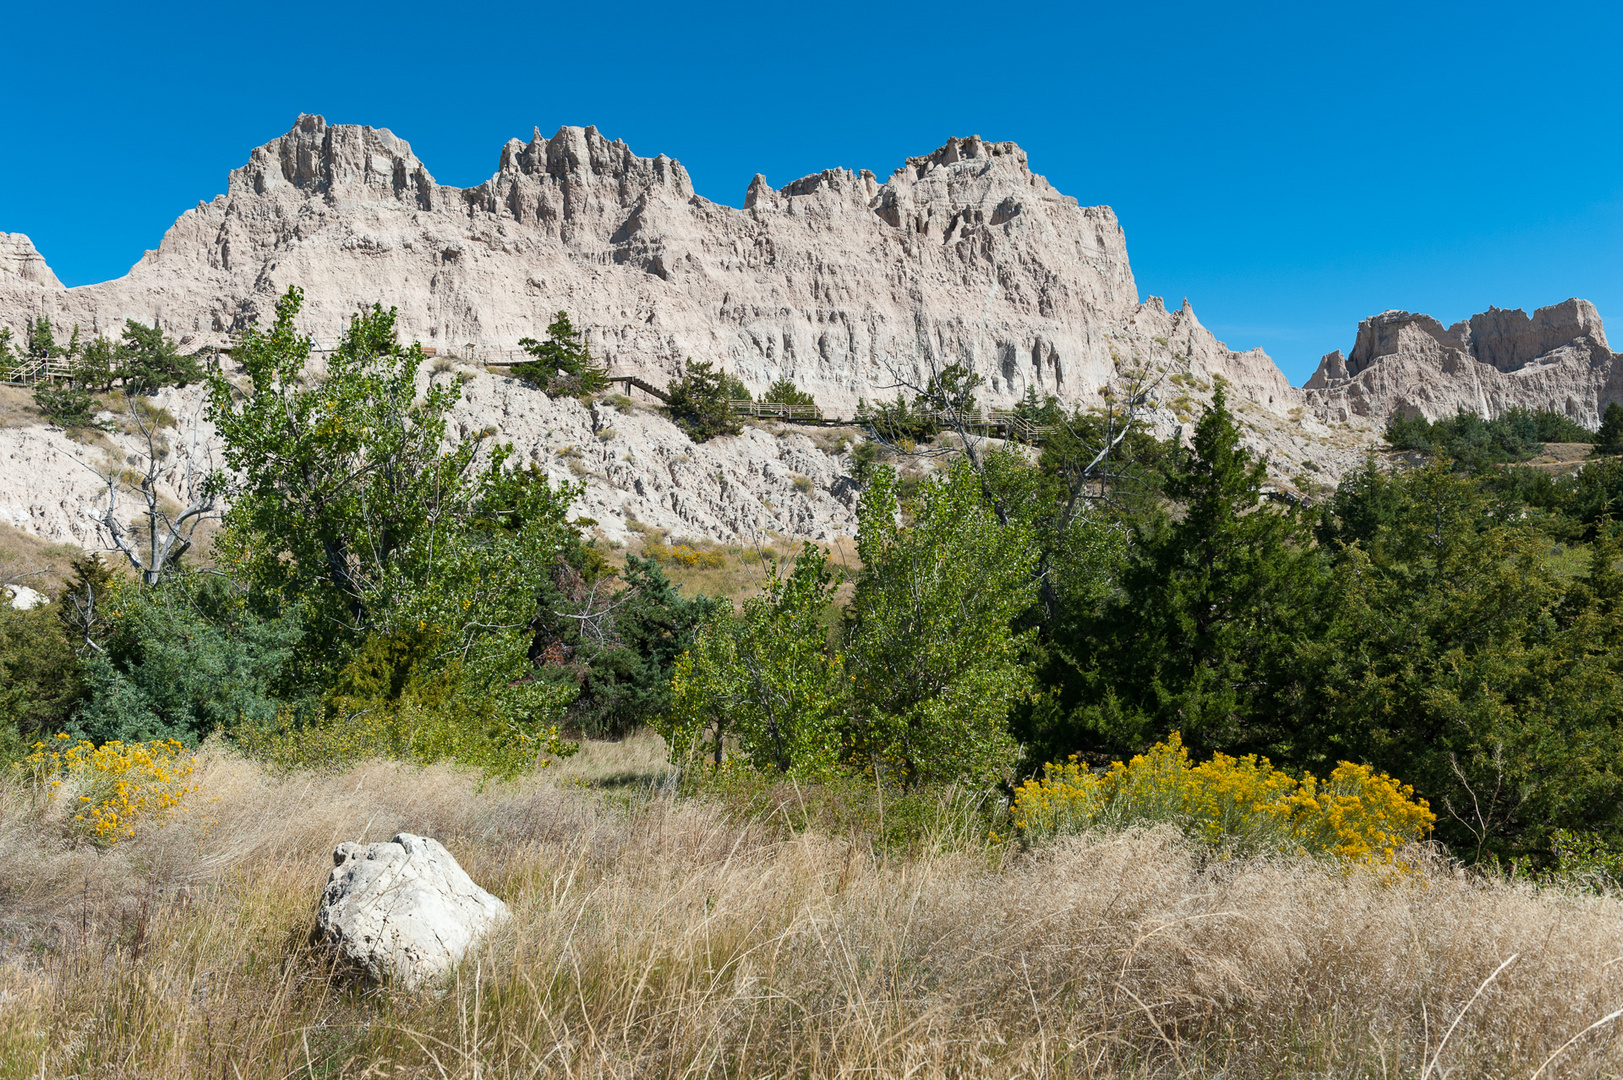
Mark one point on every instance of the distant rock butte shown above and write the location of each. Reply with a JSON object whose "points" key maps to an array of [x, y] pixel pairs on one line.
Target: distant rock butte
{"points": [[838, 281], [1407, 363]]}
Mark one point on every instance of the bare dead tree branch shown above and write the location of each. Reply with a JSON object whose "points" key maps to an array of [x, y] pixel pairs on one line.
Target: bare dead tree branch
{"points": [[167, 536]]}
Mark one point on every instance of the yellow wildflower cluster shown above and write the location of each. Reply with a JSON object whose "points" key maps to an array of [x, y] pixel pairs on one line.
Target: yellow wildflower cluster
{"points": [[119, 784], [1355, 815], [683, 555]]}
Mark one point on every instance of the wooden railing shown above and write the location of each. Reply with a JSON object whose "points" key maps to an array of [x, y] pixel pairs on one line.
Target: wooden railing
{"points": [[1002, 423], [777, 410], [33, 372]]}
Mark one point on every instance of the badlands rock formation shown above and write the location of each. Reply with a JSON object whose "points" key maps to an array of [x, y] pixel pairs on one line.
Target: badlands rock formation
{"points": [[840, 281], [835, 280], [1407, 363]]}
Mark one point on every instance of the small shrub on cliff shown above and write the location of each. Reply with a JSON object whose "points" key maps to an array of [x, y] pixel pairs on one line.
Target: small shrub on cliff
{"points": [[67, 407], [563, 363], [148, 359], [700, 402]]}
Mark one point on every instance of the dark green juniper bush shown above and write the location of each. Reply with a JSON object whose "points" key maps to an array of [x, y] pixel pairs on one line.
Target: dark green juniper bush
{"points": [[700, 402], [563, 364]]}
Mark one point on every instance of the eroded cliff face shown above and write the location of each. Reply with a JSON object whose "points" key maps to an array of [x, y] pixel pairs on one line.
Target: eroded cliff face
{"points": [[20, 264], [1557, 359], [839, 281]]}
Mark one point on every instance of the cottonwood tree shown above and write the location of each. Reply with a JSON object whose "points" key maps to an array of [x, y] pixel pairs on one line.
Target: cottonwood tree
{"points": [[1096, 466], [935, 659], [342, 489], [351, 506], [765, 679]]}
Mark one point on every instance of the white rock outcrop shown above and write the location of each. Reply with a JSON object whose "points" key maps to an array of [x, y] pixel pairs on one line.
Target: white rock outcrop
{"points": [[839, 281], [403, 912], [22, 597], [1403, 362]]}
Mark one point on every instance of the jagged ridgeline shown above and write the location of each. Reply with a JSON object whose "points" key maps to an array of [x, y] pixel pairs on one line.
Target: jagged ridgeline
{"points": [[841, 282], [963, 254]]}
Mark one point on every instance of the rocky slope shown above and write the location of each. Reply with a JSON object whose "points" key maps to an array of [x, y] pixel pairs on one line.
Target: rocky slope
{"points": [[840, 281], [639, 470]]}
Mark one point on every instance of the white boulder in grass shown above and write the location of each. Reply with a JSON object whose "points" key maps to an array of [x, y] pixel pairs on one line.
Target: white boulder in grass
{"points": [[22, 597], [403, 912]]}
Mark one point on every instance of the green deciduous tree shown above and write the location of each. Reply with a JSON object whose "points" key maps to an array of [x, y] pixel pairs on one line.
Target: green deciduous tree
{"points": [[935, 659], [341, 490], [351, 506], [765, 679]]}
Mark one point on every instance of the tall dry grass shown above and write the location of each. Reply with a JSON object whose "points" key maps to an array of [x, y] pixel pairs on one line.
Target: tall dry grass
{"points": [[653, 936]]}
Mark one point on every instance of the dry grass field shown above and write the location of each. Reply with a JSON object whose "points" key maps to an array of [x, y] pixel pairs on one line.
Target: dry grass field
{"points": [[37, 563], [661, 936], [17, 408]]}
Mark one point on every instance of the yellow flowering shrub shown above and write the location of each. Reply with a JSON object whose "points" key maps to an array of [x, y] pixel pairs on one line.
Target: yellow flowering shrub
{"points": [[1356, 815], [118, 784], [683, 555]]}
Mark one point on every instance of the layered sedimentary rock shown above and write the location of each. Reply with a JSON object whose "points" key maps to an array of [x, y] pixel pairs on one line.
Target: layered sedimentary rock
{"points": [[839, 281], [20, 264], [1408, 363]]}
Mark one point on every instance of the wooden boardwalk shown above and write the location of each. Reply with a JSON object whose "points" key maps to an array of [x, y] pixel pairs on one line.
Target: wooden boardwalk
{"points": [[32, 373]]}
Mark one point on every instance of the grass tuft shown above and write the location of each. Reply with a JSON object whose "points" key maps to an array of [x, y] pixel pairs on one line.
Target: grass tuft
{"points": [[660, 936]]}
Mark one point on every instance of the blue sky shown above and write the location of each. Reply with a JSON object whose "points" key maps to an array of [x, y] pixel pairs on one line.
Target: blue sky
{"points": [[1291, 168]]}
